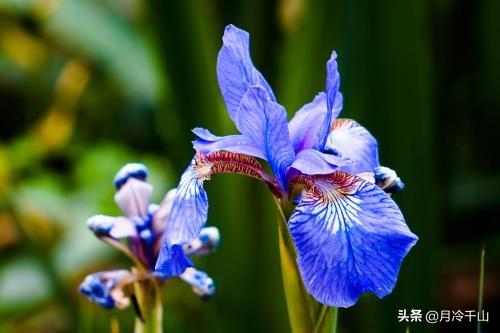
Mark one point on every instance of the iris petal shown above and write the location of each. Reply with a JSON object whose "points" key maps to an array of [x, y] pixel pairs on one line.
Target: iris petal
{"points": [[189, 209], [264, 122], [351, 238], [235, 70], [133, 198], [313, 162], [190, 206], [333, 99], [172, 261], [351, 140], [209, 143], [310, 126], [306, 124]]}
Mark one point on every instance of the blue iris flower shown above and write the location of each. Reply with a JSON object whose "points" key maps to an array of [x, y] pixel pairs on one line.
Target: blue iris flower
{"points": [[139, 234], [349, 234]]}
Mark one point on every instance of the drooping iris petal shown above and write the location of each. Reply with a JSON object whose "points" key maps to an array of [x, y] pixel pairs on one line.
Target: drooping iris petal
{"points": [[313, 162], [190, 206], [209, 143], [264, 122], [172, 261], [106, 288], [133, 198], [205, 243], [235, 70], [350, 236], [114, 227], [333, 99], [349, 139], [202, 284]]}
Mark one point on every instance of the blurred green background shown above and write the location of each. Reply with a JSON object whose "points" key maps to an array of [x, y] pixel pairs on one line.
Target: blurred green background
{"points": [[86, 86]]}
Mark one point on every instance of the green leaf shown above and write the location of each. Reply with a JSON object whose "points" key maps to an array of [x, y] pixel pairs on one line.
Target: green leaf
{"points": [[91, 28]]}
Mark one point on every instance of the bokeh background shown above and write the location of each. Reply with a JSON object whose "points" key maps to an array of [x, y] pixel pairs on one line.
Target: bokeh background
{"points": [[88, 85]]}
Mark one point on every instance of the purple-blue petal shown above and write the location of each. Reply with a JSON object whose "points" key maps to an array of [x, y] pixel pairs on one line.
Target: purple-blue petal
{"points": [[189, 211], [235, 70], [98, 288], [310, 126], [133, 198], [202, 284], [187, 217], [307, 123], [172, 261], [264, 122], [333, 99], [313, 162], [353, 141], [351, 238], [209, 143]]}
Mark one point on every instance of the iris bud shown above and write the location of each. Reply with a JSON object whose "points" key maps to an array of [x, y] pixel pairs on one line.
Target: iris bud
{"points": [[101, 287], [207, 241], [131, 170], [100, 225], [202, 284], [388, 180]]}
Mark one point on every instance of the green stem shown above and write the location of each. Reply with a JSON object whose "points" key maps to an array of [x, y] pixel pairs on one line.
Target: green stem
{"points": [[481, 287], [335, 317], [319, 320], [148, 295], [296, 298], [302, 308]]}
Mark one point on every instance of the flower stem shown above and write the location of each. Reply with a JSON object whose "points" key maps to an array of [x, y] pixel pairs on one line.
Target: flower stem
{"points": [[148, 295], [335, 317], [327, 320], [305, 313], [296, 299], [481, 287], [321, 317]]}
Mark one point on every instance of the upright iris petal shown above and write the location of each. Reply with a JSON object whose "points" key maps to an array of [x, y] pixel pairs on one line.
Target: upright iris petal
{"points": [[333, 99], [134, 197], [264, 123], [235, 70], [350, 236], [310, 126]]}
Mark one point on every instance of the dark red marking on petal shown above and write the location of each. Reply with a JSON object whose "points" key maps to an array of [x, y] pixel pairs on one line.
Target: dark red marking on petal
{"points": [[343, 122], [321, 186], [219, 162]]}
